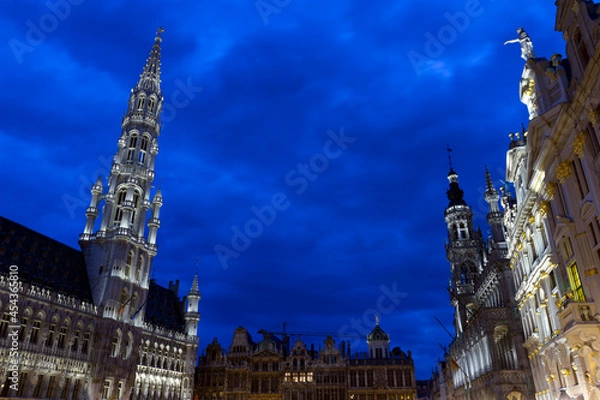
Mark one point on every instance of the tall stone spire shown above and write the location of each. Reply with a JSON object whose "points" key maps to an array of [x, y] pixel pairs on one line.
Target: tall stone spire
{"points": [[119, 254], [150, 77], [495, 217]]}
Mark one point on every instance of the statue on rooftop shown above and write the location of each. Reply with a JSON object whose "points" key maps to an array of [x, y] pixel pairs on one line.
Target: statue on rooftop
{"points": [[526, 44]]}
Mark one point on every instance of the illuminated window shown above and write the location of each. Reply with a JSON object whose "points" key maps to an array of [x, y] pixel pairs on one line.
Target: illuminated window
{"points": [[105, 389], [576, 287]]}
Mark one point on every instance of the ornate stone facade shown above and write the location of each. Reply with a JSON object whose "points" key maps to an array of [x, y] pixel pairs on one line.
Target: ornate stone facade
{"points": [[554, 236], [271, 370], [91, 324]]}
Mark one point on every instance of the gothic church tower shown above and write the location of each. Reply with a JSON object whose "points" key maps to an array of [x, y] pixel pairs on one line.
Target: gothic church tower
{"points": [[465, 250], [119, 252]]}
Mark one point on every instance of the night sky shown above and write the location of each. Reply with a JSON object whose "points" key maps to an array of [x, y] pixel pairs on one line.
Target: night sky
{"points": [[329, 119]]}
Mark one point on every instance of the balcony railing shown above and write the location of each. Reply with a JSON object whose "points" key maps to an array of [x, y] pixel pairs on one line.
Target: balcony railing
{"points": [[575, 313]]}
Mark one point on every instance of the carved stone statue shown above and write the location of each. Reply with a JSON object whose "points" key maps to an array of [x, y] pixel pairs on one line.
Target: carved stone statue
{"points": [[526, 44]]}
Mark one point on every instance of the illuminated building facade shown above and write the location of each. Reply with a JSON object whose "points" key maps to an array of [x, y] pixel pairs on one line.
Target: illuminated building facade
{"points": [[554, 226], [274, 370], [91, 323], [486, 358]]}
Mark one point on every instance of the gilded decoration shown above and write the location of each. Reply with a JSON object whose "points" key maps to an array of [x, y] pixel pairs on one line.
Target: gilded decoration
{"points": [[593, 117], [578, 145], [550, 190], [563, 171], [544, 208]]}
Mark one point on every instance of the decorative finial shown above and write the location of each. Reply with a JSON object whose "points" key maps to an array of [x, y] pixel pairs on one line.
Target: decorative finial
{"points": [[449, 150], [376, 319], [159, 31], [197, 264], [524, 130]]}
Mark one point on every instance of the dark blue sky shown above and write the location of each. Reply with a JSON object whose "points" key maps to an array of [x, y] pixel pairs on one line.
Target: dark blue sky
{"points": [[257, 98]]}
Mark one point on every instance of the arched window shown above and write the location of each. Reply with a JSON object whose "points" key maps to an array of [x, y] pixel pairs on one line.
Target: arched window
{"points": [[51, 332], [151, 103], [119, 211], [136, 198], [140, 267], [143, 150], [115, 344], [128, 263], [85, 345], [134, 301], [123, 300], [140, 103], [133, 142], [128, 346], [35, 331], [467, 272], [463, 232]]}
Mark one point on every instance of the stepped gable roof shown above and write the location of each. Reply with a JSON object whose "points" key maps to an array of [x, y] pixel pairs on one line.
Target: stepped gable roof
{"points": [[164, 308], [43, 261]]}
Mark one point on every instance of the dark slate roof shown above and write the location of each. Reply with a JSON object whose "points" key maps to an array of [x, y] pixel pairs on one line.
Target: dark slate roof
{"points": [[43, 261], [164, 308], [377, 334]]}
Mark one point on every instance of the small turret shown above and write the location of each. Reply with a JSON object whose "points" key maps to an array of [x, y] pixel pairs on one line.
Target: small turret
{"points": [[192, 316], [92, 211], [154, 221]]}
